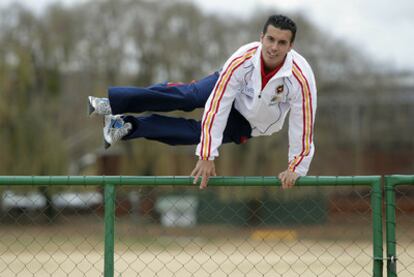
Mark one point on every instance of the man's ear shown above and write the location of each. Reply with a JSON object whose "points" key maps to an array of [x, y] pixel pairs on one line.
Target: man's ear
{"points": [[261, 37]]}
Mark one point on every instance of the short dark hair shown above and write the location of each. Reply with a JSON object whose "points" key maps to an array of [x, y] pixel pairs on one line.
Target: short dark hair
{"points": [[282, 22]]}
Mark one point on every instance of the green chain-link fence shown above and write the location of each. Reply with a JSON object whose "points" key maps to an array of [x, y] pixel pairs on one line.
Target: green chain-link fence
{"points": [[165, 226], [399, 197]]}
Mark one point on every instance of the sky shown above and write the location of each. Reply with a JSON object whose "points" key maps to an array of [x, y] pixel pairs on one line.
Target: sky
{"points": [[381, 29]]}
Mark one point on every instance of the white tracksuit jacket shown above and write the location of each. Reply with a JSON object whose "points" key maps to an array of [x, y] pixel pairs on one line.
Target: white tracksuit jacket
{"points": [[292, 89]]}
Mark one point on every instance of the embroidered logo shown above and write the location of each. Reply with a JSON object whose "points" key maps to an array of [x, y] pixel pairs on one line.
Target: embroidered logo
{"points": [[277, 97], [279, 89]]}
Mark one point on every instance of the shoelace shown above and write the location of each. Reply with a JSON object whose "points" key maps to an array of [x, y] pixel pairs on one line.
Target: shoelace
{"points": [[102, 106]]}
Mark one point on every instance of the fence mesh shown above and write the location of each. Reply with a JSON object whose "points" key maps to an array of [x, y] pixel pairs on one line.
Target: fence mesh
{"points": [[169, 231], [51, 234], [404, 196]]}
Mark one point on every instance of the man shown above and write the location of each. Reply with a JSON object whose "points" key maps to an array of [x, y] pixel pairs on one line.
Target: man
{"points": [[251, 96]]}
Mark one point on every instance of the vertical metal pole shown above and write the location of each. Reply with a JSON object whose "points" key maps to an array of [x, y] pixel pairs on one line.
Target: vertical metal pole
{"points": [[390, 226], [376, 203], [109, 229]]}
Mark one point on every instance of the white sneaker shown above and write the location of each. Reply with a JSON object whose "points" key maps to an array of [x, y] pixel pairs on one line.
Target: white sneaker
{"points": [[115, 128], [99, 106]]}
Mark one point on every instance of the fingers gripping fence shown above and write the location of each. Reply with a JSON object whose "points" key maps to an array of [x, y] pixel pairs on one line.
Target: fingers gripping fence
{"points": [[110, 183]]}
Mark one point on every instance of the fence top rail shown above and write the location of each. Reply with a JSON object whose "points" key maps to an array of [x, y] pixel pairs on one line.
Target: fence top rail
{"points": [[186, 180], [392, 180]]}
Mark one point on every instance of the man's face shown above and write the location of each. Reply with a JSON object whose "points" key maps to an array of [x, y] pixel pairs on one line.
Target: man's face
{"points": [[275, 45]]}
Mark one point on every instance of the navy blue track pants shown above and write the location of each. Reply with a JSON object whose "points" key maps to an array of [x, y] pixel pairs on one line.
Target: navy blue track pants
{"points": [[171, 97]]}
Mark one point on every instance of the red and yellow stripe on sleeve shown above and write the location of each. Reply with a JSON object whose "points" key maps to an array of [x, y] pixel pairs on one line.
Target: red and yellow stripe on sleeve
{"points": [[307, 117], [218, 93]]}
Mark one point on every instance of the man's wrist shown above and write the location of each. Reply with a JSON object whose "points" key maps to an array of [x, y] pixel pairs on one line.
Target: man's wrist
{"points": [[206, 158]]}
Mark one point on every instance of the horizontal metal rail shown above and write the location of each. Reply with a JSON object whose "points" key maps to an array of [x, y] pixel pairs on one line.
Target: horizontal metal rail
{"points": [[184, 180]]}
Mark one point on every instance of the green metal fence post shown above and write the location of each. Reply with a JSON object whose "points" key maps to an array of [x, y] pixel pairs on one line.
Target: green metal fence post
{"points": [[390, 212], [109, 230], [390, 226], [376, 203]]}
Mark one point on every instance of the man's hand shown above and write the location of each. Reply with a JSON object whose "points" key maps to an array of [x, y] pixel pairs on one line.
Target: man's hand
{"points": [[205, 169], [288, 178]]}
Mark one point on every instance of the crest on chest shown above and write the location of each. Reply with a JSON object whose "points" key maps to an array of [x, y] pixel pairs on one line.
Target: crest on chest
{"points": [[279, 89], [277, 95]]}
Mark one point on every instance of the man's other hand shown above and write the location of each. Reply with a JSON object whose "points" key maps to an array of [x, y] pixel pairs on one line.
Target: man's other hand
{"points": [[288, 178], [205, 169]]}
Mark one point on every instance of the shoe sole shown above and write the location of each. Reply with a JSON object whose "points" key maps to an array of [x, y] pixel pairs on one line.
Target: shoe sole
{"points": [[106, 144], [91, 109]]}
